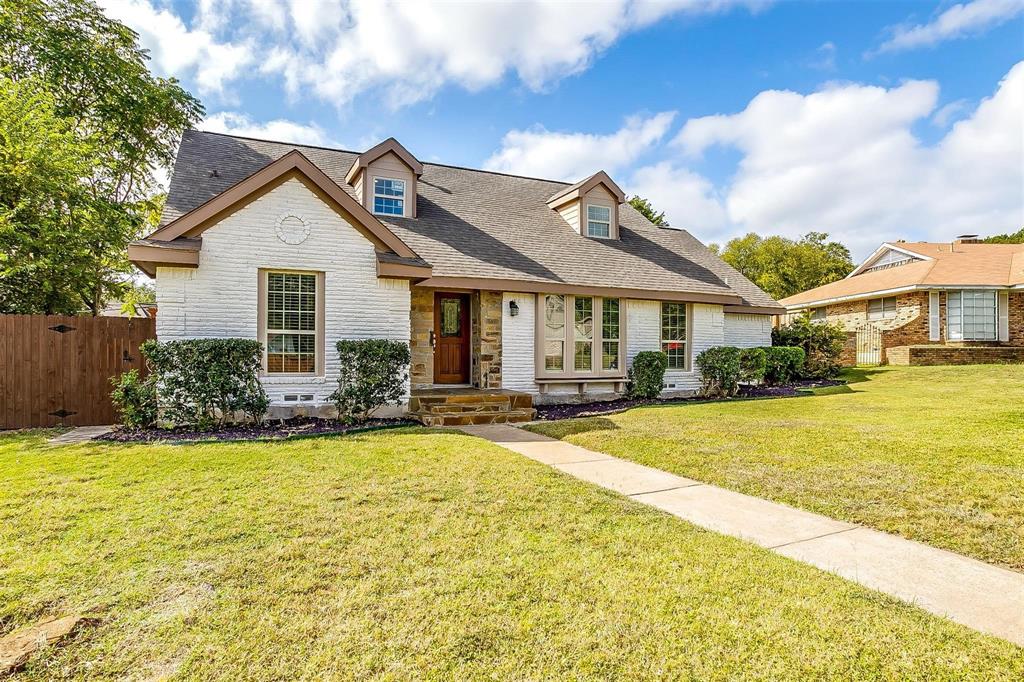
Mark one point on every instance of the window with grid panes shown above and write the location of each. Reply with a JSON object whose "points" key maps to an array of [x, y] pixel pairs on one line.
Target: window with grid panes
{"points": [[291, 323], [673, 334]]}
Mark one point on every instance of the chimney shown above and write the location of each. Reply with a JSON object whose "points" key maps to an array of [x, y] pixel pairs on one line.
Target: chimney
{"points": [[965, 239]]}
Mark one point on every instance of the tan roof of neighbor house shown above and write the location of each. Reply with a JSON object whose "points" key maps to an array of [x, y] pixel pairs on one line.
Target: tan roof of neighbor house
{"points": [[944, 264], [488, 229]]}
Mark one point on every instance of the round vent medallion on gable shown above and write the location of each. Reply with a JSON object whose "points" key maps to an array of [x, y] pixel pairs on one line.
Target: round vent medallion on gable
{"points": [[291, 229]]}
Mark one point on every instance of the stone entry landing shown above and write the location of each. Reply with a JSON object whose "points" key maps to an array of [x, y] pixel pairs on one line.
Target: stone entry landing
{"points": [[465, 406]]}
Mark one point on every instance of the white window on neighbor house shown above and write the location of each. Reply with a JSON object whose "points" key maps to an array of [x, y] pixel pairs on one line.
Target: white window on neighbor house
{"points": [[291, 323], [599, 221], [882, 308], [817, 314], [673, 334], [388, 196], [972, 315]]}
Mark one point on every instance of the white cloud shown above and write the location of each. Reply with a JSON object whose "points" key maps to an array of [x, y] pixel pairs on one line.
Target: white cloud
{"points": [[402, 51], [688, 199], [845, 160], [179, 51], [573, 156], [280, 130], [956, 22]]}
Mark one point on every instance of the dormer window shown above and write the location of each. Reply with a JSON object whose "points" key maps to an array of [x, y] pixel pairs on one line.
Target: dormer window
{"points": [[599, 221], [388, 196], [385, 179], [591, 206]]}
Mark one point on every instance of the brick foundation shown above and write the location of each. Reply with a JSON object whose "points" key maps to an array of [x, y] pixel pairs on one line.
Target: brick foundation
{"points": [[954, 355]]}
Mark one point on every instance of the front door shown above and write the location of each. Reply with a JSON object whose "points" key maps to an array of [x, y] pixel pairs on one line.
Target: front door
{"points": [[451, 338]]}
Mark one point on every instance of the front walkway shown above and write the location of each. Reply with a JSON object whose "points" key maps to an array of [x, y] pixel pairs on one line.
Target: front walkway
{"points": [[976, 594]]}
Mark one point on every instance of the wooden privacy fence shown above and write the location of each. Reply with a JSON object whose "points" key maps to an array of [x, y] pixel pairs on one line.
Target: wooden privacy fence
{"points": [[55, 370]]}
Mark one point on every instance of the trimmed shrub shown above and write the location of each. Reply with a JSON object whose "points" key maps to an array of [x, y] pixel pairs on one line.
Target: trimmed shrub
{"points": [[783, 364], [373, 373], [646, 376], [821, 342], [753, 362], [205, 382], [719, 371], [135, 399]]}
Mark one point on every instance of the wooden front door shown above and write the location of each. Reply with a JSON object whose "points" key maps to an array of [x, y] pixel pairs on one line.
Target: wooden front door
{"points": [[451, 338]]}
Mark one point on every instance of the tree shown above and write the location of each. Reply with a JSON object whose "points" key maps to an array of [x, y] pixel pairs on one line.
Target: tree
{"points": [[1014, 238], [644, 206], [783, 267], [118, 121]]}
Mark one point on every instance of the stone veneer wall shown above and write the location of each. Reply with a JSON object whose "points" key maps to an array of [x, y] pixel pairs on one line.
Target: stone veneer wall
{"points": [[487, 339], [1016, 318], [421, 314]]}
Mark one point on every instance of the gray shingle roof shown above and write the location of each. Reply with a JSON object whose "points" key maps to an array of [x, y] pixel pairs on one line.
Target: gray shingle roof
{"points": [[473, 223]]}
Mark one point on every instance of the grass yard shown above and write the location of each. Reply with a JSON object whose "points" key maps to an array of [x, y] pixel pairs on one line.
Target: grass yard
{"points": [[418, 554], [935, 454]]}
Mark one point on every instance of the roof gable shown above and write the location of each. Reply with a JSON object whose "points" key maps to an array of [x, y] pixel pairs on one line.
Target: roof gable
{"points": [[390, 145], [292, 165], [493, 227], [581, 188]]}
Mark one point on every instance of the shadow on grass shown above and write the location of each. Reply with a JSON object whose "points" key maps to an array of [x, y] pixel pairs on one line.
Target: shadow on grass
{"points": [[569, 427]]}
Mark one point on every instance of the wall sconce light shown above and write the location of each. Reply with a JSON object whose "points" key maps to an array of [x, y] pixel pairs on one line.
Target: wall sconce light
{"points": [[513, 308]]}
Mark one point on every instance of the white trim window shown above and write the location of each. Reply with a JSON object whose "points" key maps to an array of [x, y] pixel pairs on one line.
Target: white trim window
{"points": [[388, 196], [882, 308], [673, 334], [817, 314], [599, 221], [554, 332], [583, 334], [972, 315], [610, 334], [291, 323]]}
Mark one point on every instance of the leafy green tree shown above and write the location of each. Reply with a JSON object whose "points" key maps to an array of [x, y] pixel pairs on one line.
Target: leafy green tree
{"points": [[1013, 238], [783, 267], [117, 122], [645, 207]]}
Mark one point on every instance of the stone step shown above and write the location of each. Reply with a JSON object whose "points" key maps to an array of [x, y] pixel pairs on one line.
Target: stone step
{"points": [[443, 408], [465, 418]]}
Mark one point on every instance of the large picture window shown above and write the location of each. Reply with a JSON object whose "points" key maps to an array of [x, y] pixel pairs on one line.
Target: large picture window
{"points": [[388, 196], [971, 315], [554, 332], [581, 336], [291, 323], [673, 334]]}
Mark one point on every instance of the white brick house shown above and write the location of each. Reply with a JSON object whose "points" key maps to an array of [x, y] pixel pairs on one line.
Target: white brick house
{"points": [[498, 283]]}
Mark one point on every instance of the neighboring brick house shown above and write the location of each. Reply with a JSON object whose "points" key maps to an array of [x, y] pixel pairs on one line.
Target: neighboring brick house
{"points": [[501, 284], [928, 303]]}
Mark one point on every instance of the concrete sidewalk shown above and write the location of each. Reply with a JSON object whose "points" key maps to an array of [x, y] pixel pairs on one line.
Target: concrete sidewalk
{"points": [[976, 594]]}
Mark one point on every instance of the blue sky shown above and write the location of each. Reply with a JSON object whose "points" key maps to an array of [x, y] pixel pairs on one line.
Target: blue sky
{"points": [[868, 120]]}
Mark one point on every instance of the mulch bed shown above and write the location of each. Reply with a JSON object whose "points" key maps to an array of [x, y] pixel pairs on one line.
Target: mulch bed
{"points": [[574, 410], [270, 430]]}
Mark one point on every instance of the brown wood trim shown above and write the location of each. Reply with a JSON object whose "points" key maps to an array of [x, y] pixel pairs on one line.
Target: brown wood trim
{"points": [[373, 153], [149, 258], [292, 164], [755, 309], [598, 178], [403, 271], [525, 286]]}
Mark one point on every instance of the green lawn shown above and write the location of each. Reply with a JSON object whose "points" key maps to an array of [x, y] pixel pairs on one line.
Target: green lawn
{"points": [[935, 454], [418, 554]]}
